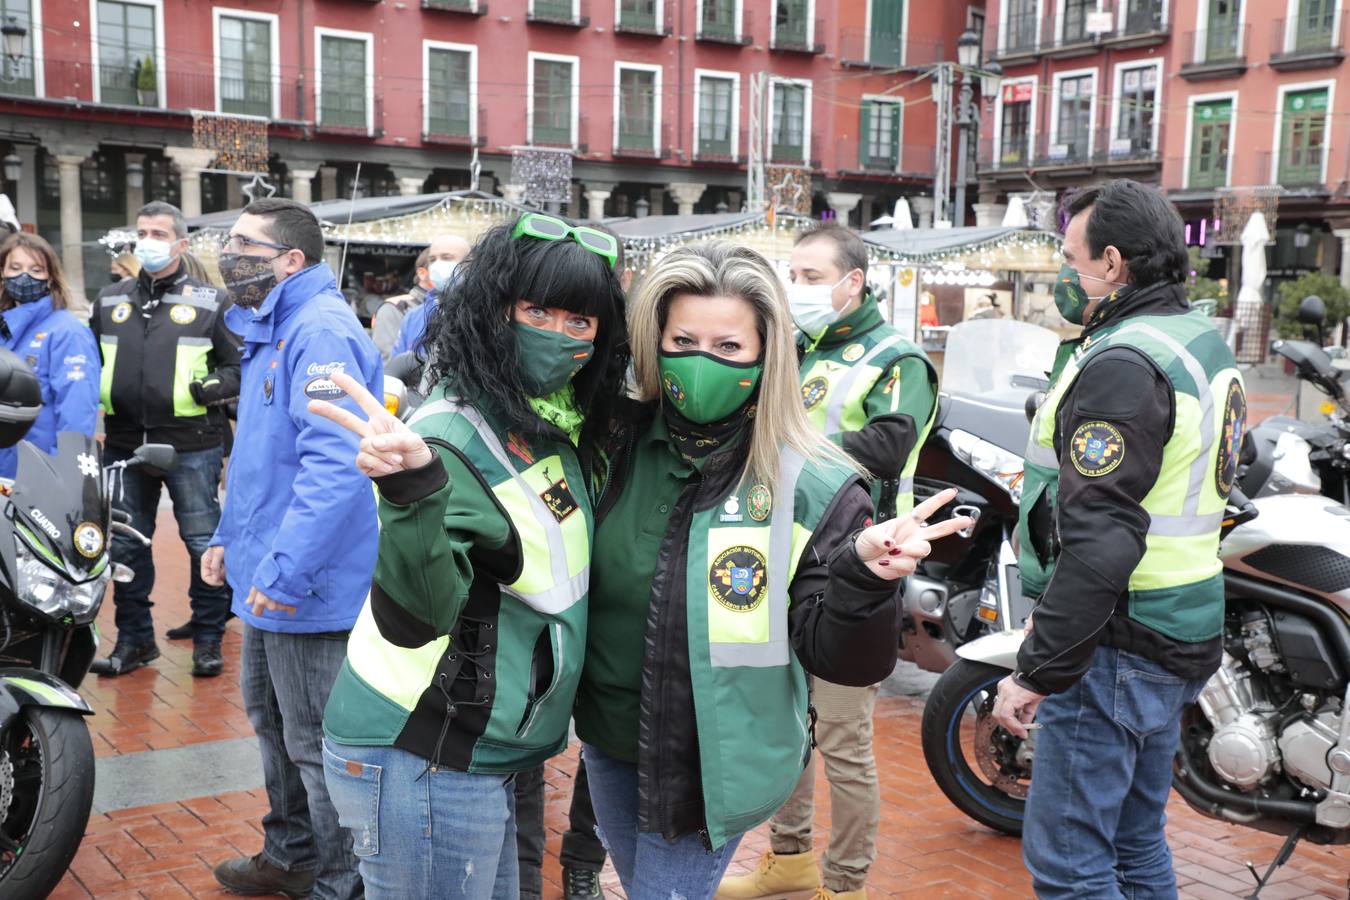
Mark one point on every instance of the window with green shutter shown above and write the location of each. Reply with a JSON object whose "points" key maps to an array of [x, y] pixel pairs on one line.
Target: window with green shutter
{"points": [[552, 10], [552, 102], [1210, 128], [885, 40], [1316, 25], [449, 110], [879, 145], [1222, 37], [22, 70], [245, 66], [788, 130], [719, 18], [1303, 137], [343, 86], [716, 97], [126, 40], [637, 109], [639, 15], [789, 23]]}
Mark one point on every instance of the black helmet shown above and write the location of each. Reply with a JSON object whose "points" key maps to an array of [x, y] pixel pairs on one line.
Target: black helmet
{"points": [[20, 398]]}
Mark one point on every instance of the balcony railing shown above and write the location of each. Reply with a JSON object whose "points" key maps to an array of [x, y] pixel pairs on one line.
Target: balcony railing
{"points": [[559, 12], [1297, 168], [859, 47], [1216, 52], [469, 7], [457, 133], [1026, 32], [724, 32], [794, 40], [631, 22], [1296, 44], [1100, 149], [639, 146], [915, 160], [1198, 173]]}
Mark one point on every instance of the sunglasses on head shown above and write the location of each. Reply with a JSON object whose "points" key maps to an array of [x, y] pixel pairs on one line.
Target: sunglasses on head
{"points": [[548, 228]]}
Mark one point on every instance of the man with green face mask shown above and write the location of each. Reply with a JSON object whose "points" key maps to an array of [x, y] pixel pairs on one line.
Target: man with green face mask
{"points": [[1129, 465]]}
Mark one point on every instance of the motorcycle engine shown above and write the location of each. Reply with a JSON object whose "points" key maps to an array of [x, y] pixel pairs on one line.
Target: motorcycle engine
{"points": [[1243, 750], [1305, 744]]}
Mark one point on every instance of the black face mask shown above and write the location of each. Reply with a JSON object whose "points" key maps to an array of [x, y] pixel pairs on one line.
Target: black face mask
{"points": [[249, 279]]}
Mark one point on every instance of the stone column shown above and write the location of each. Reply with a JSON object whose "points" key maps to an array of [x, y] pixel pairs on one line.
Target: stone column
{"points": [[843, 204], [72, 230], [686, 194], [327, 182], [1344, 235], [989, 214], [596, 195], [513, 192], [135, 196], [302, 185], [190, 162], [27, 187], [866, 215], [923, 210]]}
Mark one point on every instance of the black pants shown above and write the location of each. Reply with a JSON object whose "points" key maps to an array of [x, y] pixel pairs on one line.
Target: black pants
{"points": [[581, 847]]}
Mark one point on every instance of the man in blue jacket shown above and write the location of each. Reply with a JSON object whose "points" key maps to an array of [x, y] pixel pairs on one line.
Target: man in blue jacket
{"points": [[297, 536]]}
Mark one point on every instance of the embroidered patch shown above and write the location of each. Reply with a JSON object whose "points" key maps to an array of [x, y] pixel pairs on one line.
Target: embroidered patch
{"points": [[1230, 442], [674, 389], [267, 387], [853, 352], [559, 500], [759, 502], [739, 578], [183, 314], [121, 312], [321, 387], [814, 391], [1096, 449]]}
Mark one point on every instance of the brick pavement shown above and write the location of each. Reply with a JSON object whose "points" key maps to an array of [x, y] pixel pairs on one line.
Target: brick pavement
{"points": [[926, 848]]}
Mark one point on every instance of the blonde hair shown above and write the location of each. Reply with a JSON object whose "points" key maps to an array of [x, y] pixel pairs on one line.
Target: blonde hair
{"points": [[36, 246], [723, 269], [129, 262]]}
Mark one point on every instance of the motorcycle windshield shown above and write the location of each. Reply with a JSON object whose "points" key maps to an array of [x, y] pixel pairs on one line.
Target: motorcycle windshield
{"points": [[59, 501], [998, 361]]}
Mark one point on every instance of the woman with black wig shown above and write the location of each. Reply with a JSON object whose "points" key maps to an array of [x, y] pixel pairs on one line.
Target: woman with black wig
{"points": [[463, 665]]}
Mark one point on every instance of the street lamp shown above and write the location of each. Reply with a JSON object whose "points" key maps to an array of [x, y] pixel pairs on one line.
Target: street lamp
{"points": [[14, 35], [135, 176], [968, 57], [968, 49], [13, 164]]}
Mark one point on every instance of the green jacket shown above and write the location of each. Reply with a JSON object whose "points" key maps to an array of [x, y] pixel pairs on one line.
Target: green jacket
{"points": [[469, 649]]}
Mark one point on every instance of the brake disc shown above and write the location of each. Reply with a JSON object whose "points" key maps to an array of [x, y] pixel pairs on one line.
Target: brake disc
{"points": [[6, 785], [996, 751]]}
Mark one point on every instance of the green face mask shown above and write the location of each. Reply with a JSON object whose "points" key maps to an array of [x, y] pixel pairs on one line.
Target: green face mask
{"points": [[1070, 298], [705, 388], [548, 359]]}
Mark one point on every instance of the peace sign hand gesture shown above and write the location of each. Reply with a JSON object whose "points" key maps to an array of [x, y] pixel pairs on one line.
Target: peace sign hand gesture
{"points": [[387, 445], [893, 549]]}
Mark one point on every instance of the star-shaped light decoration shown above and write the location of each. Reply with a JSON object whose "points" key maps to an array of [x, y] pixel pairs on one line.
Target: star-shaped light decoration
{"points": [[257, 188]]}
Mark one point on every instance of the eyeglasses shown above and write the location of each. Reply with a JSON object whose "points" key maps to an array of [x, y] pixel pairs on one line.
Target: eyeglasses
{"points": [[237, 243], [547, 228]]}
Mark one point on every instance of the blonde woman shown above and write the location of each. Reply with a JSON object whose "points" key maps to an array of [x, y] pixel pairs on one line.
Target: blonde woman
{"points": [[734, 553]]}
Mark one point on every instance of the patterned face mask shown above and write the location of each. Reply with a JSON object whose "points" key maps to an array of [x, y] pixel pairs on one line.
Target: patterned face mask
{"points": [[249, 279], [24, 288]]}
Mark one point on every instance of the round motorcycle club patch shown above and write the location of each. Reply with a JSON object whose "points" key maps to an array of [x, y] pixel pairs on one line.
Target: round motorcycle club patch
{"points": [[322, 387], [88, 539], [738, 578], [760, 502], [814, 391], [1096, 449], [121, 312], [853, 352], [1230, 442], [182, 314]]}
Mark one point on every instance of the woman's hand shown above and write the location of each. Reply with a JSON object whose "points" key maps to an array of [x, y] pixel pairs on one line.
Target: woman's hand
{"points": [[387, 445], [893, 549]]}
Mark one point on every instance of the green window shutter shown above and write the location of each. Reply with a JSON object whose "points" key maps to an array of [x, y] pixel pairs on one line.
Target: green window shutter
{"points": [[343, 90], [896, 113], [715, 125], [1209, 144], [1316, 25], [865, 135], [885, 40], [790, 23], [449, 110], [637, 92], [640, 14], [1303, 138], [552, 102]]}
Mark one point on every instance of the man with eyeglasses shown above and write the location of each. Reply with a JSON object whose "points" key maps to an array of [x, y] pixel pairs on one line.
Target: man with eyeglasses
{"points": [[169, 365], [297, 537]]}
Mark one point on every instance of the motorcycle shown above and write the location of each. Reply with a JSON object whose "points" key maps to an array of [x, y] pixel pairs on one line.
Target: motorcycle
{"points": [[55, 518], [1267, 744]]}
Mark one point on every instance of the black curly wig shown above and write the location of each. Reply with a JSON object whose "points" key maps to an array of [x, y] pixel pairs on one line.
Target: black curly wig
{"points": [[471, 342]]}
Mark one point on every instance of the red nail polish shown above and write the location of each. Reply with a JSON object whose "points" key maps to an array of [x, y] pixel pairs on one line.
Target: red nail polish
{"points": [[895, 552], [885, 562], [888, 543]]}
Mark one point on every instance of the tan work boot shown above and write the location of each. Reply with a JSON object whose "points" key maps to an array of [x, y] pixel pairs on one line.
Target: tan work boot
{"points": [[781, 876], [824, 893]]}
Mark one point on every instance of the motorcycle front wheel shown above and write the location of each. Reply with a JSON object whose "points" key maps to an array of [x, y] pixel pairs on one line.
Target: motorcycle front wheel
{"points": [[983, 770], [46, 792]]}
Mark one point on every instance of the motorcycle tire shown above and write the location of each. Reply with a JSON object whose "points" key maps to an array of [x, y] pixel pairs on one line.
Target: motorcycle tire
{"points": [[942, 750], [50, 807]]}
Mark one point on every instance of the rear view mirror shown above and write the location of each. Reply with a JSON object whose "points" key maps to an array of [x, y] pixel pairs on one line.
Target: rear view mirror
{"points": [[1312, 310], [156, 456]]}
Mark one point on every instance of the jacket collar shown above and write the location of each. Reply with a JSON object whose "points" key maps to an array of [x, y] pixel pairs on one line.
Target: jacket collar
{"points": [[859, 322], [24, 316], [256, 326], [1160, 299], [156, 288]]}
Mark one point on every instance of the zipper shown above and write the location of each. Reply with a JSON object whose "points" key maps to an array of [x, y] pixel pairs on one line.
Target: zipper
{"points": [[532, 714]]}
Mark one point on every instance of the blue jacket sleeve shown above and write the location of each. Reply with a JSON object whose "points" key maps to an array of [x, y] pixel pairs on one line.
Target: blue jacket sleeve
{"points": [[73, 372], [330, 497], [405, 331]]}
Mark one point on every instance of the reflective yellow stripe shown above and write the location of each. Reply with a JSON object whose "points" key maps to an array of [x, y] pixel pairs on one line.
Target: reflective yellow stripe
{"points": [[108, 344], [834, 410], [399, 673], [189, 365]]}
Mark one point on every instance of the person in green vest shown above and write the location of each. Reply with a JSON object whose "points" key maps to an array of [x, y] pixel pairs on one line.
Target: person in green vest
{"points": [[1128, 469], [463, 664], [873, 392], [735, 553]]}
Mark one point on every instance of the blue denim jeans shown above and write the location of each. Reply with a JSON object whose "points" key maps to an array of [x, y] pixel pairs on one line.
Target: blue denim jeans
{"points": [[650, 867], [285, 679], [423, 834], [193, 487], [1103, 770]]}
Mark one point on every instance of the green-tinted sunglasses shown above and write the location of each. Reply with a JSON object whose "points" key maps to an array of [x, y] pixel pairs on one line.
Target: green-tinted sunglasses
{"points": [[547, 228]]}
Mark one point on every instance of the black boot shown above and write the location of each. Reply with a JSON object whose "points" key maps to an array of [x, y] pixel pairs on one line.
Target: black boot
{"points": [[255, 876], [580, 884], [206, 660], [126, 657], [181, 633]]}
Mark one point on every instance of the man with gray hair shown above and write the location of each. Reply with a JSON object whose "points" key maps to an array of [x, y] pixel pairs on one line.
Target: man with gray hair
{"points": [[169, 364]]}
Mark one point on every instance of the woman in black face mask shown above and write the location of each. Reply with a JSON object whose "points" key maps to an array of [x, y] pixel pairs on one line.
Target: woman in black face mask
{"points": [[462, 667]]}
